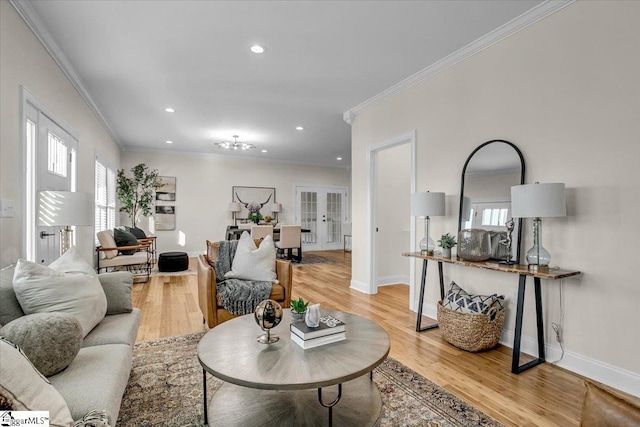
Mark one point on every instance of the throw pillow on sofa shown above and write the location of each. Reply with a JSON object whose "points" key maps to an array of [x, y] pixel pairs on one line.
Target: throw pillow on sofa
{"points": [[42, 289], [117, 287], [27, 389], [50, 340], [138, 232], [9, 306], [458, 299], [253, 263], [125, 238]]}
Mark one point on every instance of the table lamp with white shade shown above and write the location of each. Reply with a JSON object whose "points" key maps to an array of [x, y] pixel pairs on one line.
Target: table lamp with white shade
{"points": [[276, 208], [234, 208], [538, 201], [427, 205], [64, 209]]}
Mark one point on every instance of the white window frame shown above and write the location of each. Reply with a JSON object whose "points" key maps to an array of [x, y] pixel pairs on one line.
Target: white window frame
{"points": [[105, 207]]}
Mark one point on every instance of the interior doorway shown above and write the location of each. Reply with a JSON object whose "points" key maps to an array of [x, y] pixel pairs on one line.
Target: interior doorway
{"points": [[375, 200]]}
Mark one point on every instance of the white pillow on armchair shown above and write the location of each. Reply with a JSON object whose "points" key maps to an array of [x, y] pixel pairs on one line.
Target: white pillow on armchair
{"points": [[253, 263]]}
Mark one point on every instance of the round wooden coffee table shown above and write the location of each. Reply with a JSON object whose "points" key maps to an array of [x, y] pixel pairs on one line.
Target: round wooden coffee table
{"points": [[281, 384]]}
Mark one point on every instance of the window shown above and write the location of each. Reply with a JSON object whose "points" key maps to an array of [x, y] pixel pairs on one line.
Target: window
{"points": [[495, 216], [57, 163], [105, 197]]}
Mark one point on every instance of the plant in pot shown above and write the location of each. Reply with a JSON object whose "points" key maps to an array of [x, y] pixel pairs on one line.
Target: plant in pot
{"points": [[136, 193], [446, 242], [298, 309]]}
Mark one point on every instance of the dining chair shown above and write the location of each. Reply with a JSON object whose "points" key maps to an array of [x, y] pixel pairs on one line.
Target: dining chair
{"points": [[261, 231], [290, 240]]}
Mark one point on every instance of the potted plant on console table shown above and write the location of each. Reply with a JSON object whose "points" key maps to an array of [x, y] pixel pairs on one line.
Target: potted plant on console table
{"points": [[446, 242]]}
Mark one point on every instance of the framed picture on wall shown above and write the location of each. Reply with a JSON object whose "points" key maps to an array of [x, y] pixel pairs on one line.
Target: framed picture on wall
{"points": [[167, 190], [253, 199], [165, 217], [165, 210]]}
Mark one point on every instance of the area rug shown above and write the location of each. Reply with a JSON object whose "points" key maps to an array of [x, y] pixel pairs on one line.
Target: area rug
{"points": [[165, 389], [155, 272], [311, 259]]}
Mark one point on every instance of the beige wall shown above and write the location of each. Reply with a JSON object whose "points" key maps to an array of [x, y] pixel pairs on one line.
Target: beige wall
{"points": [[204, 185], [393, 198], [24, 61], [565, 91]]}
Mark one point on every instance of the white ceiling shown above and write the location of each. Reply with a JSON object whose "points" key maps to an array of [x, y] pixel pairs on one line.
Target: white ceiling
{"points": [[323, 57]]}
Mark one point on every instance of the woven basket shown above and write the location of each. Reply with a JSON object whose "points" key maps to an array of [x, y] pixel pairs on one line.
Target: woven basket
{"points": [[470, 331]]}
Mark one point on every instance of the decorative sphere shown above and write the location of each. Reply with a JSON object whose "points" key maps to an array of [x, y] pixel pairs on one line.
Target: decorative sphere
{"points": [[268, 314]]}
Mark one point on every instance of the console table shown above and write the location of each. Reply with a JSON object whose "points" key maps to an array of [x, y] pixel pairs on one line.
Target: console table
{"points": [[522, 271]]}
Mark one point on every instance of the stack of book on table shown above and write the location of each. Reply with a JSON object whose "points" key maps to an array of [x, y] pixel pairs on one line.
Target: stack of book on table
{"points": [[329, 331]]}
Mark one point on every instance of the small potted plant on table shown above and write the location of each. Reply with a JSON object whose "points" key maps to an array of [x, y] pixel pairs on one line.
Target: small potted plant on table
{"points": [[298, 310], [446, 242]]}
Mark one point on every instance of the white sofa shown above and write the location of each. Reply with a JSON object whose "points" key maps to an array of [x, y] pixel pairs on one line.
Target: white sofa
{"points": [[98, 375]]}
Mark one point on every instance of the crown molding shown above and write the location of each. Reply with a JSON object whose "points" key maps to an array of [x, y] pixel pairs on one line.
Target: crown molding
{"points": [[517, 24], [32, 19]]}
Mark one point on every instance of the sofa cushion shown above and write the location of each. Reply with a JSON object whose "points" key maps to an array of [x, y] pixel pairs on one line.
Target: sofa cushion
{"points": [[50, 340], [27, 389], [106, 240], [9, 306], [252, 263], [117, 289], [96, 379], [124, 238], [115, 329], [42, 289]]}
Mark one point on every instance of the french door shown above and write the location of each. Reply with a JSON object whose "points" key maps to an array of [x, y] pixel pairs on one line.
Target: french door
{"points": [[323, 211]]}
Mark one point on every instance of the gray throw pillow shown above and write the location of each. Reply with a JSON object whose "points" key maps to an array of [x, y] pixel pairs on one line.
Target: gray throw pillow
{"points": [[27, 388], [124, 238], [117, 288], [137, 232], [50, 340], [9, 306]]}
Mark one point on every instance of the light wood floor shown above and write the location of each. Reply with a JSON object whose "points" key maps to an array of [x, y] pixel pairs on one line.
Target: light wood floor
{"points": [[543, 396]]}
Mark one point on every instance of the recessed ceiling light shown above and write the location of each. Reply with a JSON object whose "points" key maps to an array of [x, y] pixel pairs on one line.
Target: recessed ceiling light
{"points": [[169, 110], [299, 128], [169, 142], [338, 158], [264, 151], [256, 48]]}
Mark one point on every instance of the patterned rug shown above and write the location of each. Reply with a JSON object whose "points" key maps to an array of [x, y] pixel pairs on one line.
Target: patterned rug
{"points": [[310, 259], [165, 389]]}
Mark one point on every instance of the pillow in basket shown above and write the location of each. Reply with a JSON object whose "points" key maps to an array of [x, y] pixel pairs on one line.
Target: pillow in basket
{"points": [[458, 299]]}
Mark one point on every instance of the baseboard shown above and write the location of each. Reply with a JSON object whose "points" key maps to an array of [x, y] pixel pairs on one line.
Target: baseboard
{"points": [[393, 280], [360, 286], [618, 378]]}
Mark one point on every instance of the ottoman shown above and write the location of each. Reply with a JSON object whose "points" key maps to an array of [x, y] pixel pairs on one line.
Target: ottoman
{"points": [[173, 261]]}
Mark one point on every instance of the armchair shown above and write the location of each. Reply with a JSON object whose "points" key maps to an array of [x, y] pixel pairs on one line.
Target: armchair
{"points": [[210, 302], [110, 257]]}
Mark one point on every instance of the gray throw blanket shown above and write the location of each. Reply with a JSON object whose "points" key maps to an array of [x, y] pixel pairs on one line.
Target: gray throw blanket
{"points": [[238, 296]]}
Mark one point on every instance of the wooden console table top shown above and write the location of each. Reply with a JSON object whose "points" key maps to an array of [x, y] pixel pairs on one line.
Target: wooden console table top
{"points": [[552, 274]]}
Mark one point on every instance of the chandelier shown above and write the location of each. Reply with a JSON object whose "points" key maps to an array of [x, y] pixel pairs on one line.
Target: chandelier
{"points": [[235, 145]]}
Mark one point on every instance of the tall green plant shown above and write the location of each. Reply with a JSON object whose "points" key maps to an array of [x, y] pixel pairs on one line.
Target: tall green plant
{"points": [[136, 193]]}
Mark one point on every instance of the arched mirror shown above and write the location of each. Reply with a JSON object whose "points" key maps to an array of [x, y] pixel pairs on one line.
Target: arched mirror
{"points": [[485, 196]]}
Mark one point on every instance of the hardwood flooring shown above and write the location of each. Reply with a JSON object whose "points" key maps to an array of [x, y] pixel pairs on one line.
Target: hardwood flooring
{"points": [[543, 396]]}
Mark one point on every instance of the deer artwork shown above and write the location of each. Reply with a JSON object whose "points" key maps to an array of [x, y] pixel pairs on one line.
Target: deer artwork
{"points": [[254, 207]]}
